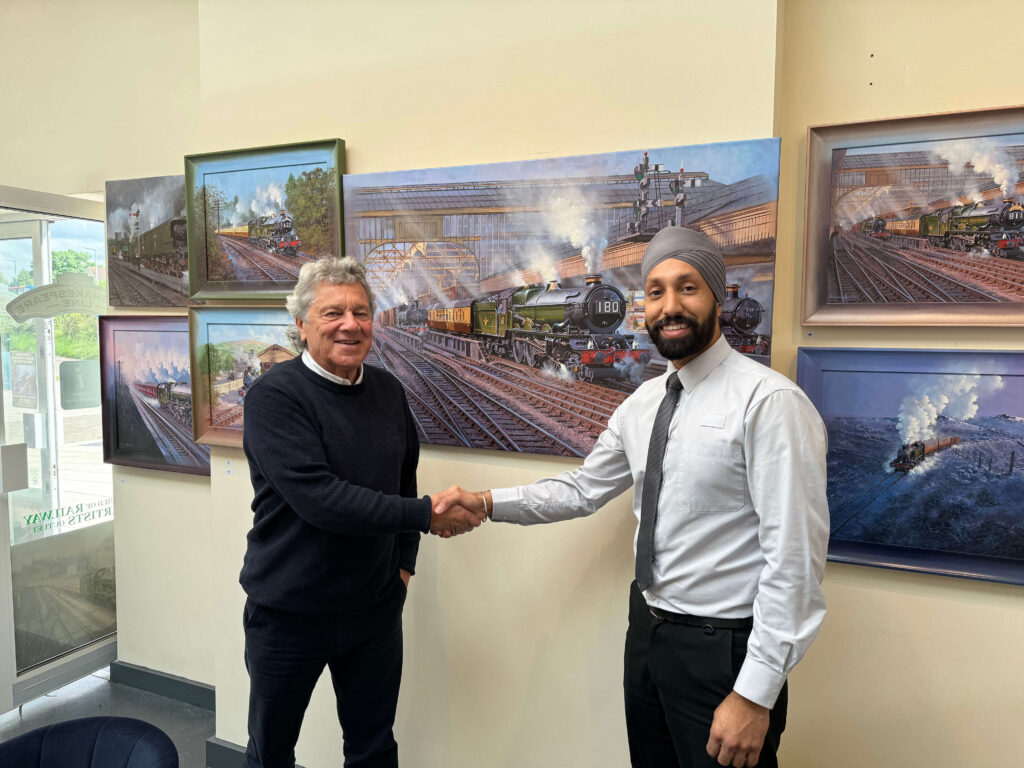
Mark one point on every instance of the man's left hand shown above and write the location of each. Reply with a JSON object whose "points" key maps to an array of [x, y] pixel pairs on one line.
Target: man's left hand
{"points": [[405, 576], [737, 732]]}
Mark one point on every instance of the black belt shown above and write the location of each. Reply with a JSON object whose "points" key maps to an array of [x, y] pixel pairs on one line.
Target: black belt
{"points": [[708, 623]]}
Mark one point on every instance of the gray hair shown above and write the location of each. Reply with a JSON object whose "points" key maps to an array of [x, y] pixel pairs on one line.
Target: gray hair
{"points": [[330, 269]]}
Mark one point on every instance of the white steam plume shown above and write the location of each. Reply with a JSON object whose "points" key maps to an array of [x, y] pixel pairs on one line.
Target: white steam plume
{"points": [[267, 200], [569, 214], [987, 158], [952, 396]]}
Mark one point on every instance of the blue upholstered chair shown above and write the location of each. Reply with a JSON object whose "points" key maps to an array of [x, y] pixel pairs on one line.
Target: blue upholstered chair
{"points": [[91, 742]]}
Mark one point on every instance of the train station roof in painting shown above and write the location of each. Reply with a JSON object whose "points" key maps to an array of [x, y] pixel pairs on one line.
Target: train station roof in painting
{"points": [[710, 198], [913, 159]]}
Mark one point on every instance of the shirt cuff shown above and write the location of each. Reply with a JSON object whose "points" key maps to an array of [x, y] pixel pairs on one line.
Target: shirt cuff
{"points": [[417, 515], [506, 505], [758, 683]]}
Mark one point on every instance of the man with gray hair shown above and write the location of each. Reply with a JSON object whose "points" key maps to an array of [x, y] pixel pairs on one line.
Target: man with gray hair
{"points": [[332, 450], [727, 462]]}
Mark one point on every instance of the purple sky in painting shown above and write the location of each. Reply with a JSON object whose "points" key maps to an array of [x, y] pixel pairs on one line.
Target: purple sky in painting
{"points": [[870, 394]]}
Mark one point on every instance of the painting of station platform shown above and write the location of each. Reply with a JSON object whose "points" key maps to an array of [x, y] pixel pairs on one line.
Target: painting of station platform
{"points": [[147, 244], [231, 349], [922, 231], [510, 299], [147, 399], [257, 215], [925, 458]]}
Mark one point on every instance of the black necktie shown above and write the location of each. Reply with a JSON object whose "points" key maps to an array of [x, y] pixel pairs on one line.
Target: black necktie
{"points": [[652, 482]]}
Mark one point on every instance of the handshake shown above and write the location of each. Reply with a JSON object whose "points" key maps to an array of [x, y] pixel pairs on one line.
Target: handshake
{"points": [[455, 511]]}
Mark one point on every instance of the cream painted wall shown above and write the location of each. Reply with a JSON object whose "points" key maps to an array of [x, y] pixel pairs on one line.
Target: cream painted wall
{"points": [[95, 90], [909, 670], [109, 89], [165, 559], [514, 636]]}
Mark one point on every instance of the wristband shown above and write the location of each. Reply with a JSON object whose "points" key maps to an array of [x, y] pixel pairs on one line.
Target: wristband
{"points": [[483, 498]]}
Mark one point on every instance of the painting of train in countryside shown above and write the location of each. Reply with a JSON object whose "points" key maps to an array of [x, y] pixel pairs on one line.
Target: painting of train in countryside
{"points": [[926, 453], [256, 216], [232, 348]]}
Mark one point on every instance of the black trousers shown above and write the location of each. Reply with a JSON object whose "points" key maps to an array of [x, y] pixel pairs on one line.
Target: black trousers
{"points": [[285, 654], [675, 677]]}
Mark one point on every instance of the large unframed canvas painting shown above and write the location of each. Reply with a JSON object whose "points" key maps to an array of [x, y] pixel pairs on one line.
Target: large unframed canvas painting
{"points": [[510, 299], [147, 242], [934, 222]]}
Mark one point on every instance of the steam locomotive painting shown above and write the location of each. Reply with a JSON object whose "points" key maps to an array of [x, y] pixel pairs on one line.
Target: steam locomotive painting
{"points": [[257, 215], [163, 249], [912, 454], [147, 242], [146, 396], [995, 226], [925, 457], [274, 232], [534, 325], [740, 321], [511, 295]]}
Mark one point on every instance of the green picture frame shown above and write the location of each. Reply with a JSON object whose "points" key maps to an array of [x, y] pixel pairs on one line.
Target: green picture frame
{"points": [[256, 215]]}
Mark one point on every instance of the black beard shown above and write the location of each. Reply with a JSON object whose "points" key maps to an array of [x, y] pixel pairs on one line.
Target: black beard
{"points": [[699, 337]]}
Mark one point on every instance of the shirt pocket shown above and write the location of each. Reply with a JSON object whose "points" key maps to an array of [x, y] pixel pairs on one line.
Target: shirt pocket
{"points": [[712, 476]]}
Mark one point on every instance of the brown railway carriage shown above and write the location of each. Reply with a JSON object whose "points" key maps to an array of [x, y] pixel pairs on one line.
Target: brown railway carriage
{"points": [[239, 231], [456, 318]]}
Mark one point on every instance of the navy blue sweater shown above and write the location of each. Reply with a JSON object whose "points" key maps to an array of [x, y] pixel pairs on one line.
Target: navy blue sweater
{"points": [[334, 474]]}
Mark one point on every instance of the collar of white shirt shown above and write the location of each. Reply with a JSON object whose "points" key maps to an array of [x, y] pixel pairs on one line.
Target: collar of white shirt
{"points": [[316, 368], [695, 371]]}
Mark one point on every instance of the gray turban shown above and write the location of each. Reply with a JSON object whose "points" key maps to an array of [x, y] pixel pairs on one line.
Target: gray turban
{"points": [[695, 248]]}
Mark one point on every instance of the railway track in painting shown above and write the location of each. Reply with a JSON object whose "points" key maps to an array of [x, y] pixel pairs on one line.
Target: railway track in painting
{"points": [[254, 264], [130, 289], [477, 416], [228, 417], [571, 411], [435, 424], [1002, 277], [171, 437], [865, 272]]}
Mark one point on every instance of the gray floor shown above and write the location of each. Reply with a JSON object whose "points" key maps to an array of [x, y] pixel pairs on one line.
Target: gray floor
{"points": [[189, 727]]}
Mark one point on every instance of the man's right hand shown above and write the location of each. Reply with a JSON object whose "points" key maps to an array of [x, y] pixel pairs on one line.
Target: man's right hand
{"points": [[455, 511]]}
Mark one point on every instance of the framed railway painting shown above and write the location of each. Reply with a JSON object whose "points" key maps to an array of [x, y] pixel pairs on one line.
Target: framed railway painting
{"points": [[925, 459], [916, 221], [231, 348], [145, 381], [255, 216], [147, 246], [510, 297]]}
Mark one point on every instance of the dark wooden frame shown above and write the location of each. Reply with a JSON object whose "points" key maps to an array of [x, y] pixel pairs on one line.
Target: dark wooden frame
{"points": [[108, 326]]}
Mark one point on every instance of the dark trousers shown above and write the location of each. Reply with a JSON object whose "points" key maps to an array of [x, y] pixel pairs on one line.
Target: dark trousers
{"points": [[285, 654], [675, 677]]}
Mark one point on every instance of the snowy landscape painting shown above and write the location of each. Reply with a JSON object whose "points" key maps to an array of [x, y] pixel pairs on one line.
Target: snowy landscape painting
{"points": [[925, 458]]}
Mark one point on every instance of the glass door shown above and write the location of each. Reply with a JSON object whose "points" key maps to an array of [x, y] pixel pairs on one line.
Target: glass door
{"points": [[57, 572]]}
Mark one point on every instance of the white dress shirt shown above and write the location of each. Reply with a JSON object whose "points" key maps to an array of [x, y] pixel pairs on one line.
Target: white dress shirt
{"points": [[742, 527], [315, 367]]}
